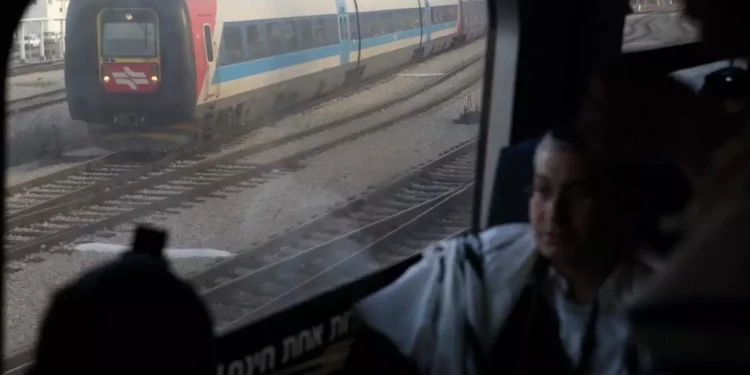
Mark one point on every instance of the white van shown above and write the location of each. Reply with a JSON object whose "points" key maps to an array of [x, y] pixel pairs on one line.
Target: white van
{"points": [[32, 40]]}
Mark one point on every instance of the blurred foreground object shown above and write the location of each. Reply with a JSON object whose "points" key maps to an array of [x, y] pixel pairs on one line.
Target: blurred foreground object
{"points": [[130, 316], [694, 315]]}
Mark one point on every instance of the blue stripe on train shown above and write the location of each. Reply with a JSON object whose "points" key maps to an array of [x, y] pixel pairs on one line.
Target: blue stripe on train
{"points": [[250, 68]]}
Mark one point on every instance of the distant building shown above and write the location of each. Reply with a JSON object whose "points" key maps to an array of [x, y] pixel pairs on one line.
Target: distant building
{"points": [[44, 9]]}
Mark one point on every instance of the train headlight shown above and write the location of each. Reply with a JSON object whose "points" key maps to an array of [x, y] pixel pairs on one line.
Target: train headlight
{"points": [[154, 79], [106, 79]]}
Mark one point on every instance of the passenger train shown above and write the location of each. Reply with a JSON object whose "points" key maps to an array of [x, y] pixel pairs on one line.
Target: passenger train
{"points": [[155, 74]]}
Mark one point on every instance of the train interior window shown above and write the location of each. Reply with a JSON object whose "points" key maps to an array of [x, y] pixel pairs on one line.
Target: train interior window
{"points": [[414, 21], [207, 39], [290, 109], [401, 20], [332, 29], [426, 16], [342, 28], [128, 39], [291, 40], [255, 42], [277, 37], [305, 31], [354, 27], [386, 19], [444, 14], [326, 31], [378, 23], [273, 35], [232, 52], [367, 26]]}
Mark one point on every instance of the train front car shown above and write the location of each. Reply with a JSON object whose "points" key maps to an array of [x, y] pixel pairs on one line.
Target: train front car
{"points": [[130, 72]]}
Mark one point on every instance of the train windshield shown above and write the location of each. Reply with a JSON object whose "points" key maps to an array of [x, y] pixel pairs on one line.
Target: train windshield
{"points": [[124, 34]]}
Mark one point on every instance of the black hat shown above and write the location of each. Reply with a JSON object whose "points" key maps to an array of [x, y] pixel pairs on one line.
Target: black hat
{"points": [[130, 316]]}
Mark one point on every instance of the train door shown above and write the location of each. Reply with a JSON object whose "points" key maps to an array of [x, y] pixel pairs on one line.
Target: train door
{"points": [[212, 80], [344, 34]]}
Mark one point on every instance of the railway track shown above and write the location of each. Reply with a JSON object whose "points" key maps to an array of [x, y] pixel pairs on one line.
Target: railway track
{"points": [[21, 69], [187, 180], [200, 179], [426, 205], [101, 173], [83, 179], [258, 276], [32, 102], [448, 216]]}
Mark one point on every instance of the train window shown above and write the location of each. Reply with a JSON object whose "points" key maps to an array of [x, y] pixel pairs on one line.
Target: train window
{"points": [[305, 31], [354, 26], [414, 15], [128, 39], [208, 42], [232, 46], [255, 42], [402, 20], [365, 25], [332, 29], [398, 20], [380, 26], [236, 143], [273, 35], [290, 37], [376, 28], [321, 35], [386, 19], [343, 28], [426, 17]]}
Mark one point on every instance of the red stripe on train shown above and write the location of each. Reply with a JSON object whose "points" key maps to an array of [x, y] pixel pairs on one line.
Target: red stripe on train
{"points": [[201, 12]]}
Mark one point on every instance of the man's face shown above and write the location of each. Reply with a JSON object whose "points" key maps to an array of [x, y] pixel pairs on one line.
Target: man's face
{"points": [[561, 207]]}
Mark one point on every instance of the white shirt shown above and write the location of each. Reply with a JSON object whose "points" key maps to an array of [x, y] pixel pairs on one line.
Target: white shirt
{"points": [[426, 311], [612, 326]]}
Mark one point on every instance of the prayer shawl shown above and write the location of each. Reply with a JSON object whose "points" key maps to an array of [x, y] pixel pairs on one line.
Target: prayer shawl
{"points": [[441, 313]]}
